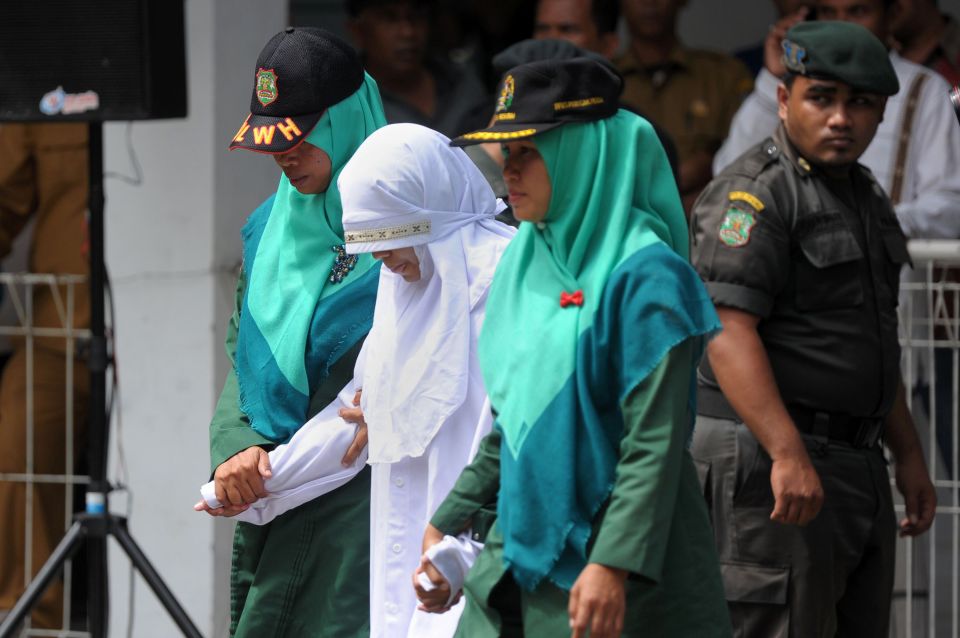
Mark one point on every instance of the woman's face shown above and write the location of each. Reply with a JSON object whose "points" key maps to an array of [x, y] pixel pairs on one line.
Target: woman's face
{"points": [[307, 167], [402, 261], [527, 180]]}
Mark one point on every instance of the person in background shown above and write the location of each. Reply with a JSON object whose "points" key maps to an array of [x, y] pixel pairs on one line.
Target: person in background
{"points": [[691, 93], [393, 36], [925, 35], [589, 24], [801, 252], [43, 176]]}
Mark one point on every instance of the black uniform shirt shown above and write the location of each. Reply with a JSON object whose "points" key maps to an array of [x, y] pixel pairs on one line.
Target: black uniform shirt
{"points": [[818, 260]]}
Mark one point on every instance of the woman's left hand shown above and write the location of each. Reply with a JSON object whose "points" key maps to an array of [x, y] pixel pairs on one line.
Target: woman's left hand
{"points": [[354, 415], [597, 602]]}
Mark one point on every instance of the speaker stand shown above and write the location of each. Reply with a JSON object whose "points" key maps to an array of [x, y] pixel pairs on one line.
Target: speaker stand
{"points": [[97, 523]]}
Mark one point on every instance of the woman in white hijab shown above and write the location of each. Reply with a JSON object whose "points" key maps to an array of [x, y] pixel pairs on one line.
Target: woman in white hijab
{"points": [[426, 211]]}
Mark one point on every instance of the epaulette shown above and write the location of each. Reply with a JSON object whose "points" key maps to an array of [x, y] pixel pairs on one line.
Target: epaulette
{"points": [[761, 156]]}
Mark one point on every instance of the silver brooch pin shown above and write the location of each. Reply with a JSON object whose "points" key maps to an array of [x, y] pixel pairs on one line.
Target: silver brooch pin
{"points": [[342, 265]]}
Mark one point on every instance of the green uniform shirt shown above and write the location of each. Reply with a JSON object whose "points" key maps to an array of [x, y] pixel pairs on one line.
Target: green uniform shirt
{"points": [[655, 525]]}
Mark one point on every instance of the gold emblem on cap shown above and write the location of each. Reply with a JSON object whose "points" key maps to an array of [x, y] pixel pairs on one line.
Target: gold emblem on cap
{"points": [[505, 101], [266, 89]]}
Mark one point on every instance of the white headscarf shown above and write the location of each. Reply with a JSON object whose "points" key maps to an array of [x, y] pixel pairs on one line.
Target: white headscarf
{"points": [[405, 186]]}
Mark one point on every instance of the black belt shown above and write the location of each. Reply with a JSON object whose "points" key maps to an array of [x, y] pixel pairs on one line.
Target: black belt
{"points": [[860, 432]]}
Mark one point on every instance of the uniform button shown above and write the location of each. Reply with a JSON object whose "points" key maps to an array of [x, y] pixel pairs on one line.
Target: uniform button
{"points": [[392, 608], [396, 548], [398, 482], [771, 150]]}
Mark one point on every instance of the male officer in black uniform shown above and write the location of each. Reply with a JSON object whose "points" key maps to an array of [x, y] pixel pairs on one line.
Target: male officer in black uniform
{"points": [[801, 253]]}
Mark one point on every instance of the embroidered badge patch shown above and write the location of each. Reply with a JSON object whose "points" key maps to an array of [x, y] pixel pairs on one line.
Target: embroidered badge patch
{"points": [[267, 86], [736, 226], [793, 57], [505, 101]]}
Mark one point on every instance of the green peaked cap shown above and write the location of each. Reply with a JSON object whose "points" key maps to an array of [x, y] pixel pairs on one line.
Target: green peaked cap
{"points": [[840, 51]]}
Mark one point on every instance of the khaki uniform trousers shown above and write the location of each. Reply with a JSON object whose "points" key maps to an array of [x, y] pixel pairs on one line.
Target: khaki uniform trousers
{"points": [[49, 440]]}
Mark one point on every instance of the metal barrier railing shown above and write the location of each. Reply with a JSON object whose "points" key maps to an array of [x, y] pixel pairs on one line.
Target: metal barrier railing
{"points": [[927, 593], [19, 290]]}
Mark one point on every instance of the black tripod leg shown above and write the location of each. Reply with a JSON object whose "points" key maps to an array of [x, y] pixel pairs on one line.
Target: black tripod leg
{"points": [[139, 560], [64, 549], [98, 607]]}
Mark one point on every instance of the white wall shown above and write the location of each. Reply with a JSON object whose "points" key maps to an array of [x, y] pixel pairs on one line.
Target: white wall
{"points": [[172, 248]]}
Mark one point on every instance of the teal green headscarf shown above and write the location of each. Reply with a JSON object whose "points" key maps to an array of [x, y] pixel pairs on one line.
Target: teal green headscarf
{"points": [[295, 321], [615, 232]]}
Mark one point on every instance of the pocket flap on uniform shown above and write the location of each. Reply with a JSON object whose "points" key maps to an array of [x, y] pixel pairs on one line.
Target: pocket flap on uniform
{"points": [[830, 246], [752, 583]]}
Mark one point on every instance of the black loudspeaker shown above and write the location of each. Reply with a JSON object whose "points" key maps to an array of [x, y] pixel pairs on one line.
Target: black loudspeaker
{"points": [[99, 60]]}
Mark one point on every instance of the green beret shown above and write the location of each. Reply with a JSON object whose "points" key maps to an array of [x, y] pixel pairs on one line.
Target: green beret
{"points": [[840, 51]]}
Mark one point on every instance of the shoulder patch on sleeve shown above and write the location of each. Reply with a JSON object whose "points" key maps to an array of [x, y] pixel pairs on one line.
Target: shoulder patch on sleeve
{"points": [[749, 198], [736, 226]]}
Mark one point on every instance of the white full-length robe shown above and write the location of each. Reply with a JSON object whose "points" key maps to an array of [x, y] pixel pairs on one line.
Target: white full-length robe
{"points": [[404, 495]]}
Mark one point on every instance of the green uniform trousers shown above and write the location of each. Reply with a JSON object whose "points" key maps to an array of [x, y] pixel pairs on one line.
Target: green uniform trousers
{"points": [[321, 546]]}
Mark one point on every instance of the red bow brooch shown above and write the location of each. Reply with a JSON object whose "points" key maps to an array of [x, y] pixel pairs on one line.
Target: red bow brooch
{"points": [[567, 299]]}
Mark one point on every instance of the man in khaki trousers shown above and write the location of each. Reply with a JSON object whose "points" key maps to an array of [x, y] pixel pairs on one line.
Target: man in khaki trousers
{"points": [[43, 176]]}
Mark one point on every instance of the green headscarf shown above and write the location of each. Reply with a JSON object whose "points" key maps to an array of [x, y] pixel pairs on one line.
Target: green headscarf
{"points": [[557, 372], [613, 194], [289, 268]]}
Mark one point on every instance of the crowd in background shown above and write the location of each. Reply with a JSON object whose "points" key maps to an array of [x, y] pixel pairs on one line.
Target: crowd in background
{"points": [[434, 61]]}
